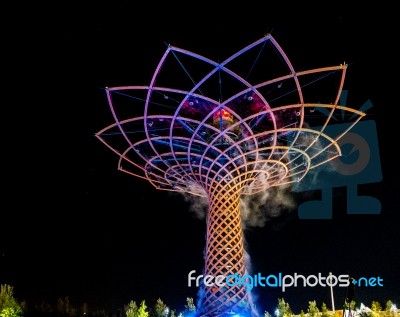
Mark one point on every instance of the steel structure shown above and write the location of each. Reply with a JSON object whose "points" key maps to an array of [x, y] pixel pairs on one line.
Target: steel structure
{"points": [[184, 136]]}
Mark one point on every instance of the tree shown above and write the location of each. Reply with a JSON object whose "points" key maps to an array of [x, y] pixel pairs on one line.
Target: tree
{"points": [[376, 308], [349, 305], [160, 309], [324, 310], [190, 307], [131, 309], [65, 308], [267, 314], [388, 306], [312, 309], [9, 307], [283, 309], [84, 309], [44, 308], [302, 314], [173, 314], [142, 311]]}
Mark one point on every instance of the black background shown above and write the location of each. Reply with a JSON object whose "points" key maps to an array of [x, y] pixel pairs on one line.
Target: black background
{"points": [[72, 225]]}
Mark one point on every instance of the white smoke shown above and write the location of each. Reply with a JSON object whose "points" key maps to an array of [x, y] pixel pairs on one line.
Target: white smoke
{"points": [[196, 198], [197, 205], [257, 209], [253, 297]]}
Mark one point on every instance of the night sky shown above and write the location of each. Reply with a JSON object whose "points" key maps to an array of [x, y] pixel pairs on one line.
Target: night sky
{"points": [[72, 225]]}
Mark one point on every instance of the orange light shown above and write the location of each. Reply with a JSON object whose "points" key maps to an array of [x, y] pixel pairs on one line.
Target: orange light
{"points": [[225, 113]]}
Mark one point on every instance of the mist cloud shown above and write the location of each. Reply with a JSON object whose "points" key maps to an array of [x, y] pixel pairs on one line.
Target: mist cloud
{"points": [[257, 209]]}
